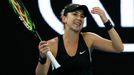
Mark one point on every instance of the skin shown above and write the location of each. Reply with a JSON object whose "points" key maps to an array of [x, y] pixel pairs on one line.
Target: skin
{"points": [[73, 22]]}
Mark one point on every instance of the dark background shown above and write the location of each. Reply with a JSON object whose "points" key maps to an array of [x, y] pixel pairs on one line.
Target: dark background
{"points": [[19, 53]]}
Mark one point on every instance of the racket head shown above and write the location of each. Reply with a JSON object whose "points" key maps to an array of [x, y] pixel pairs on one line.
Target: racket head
{"points": [[22, 13]]}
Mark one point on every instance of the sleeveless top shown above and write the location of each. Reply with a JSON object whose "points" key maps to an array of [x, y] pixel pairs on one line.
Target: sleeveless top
{"points": [[79, 64]]}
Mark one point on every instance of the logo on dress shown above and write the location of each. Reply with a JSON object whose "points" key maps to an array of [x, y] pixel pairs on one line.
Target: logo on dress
{"points": [[82, 52]]}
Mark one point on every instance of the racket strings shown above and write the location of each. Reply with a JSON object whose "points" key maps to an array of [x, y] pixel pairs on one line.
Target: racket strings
{"points": [[22, 12]]}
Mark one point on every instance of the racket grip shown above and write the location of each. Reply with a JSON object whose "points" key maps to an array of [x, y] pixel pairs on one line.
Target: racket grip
{"points": [[53, 60]]}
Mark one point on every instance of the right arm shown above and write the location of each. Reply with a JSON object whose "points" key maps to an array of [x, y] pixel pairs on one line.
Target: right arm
{"points": [[42, 69]]}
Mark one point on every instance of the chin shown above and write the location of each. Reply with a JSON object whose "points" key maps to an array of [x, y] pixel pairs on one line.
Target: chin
{"points": [[77, 30]]}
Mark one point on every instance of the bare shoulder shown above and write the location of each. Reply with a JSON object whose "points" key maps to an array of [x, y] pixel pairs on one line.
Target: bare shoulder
{"points": [[89, 38], [53, 43], [89, 35]]}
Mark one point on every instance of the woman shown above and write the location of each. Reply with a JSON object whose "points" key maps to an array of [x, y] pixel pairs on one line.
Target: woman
{"points": [[73, 49]]}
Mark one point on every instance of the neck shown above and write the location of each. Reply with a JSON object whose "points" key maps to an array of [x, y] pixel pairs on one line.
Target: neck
{"points": [[71, 37]]}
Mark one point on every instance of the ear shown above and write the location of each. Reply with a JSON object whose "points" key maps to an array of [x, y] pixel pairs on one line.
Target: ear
{"points": [[63, 18]]}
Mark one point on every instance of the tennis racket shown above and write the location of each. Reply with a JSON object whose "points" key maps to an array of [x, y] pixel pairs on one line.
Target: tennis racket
{"points": [[24, 16]]}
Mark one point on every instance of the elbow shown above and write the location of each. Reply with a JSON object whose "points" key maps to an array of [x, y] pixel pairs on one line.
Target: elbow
{"points": [[120, 49]]}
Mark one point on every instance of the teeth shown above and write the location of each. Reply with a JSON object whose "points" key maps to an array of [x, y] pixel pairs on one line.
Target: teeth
{"points": [[78, 23]]}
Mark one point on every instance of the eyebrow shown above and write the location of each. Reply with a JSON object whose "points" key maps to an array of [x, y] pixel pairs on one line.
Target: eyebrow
{"points": [[77, 11]]}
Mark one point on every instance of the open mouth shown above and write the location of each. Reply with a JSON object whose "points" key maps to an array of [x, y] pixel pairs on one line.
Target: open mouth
{"points": [[78, 23]]}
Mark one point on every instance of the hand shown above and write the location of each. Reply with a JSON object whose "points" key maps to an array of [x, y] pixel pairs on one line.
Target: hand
{"points": [[100, 12], [43, 48]]}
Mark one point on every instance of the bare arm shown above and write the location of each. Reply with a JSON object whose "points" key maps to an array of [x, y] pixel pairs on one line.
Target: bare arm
{"points": [[113, 45], [116, 40], [42, 69]]}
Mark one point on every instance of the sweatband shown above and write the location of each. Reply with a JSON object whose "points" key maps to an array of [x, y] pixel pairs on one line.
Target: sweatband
{"points": [[108, 25], [42, 60]]}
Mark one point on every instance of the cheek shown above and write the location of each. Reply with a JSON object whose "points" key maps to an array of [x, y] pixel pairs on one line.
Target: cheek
{"points": [[82, 21], [66, 20], [63, 20]]}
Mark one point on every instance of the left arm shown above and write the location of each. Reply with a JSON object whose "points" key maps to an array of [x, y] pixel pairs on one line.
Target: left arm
{"points": [[115, 44], [116, 40]]}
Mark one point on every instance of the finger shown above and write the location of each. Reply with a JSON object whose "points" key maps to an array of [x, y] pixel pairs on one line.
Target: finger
{"points": [[95, 10], [43, 46], [44, 49], [43, 42]]}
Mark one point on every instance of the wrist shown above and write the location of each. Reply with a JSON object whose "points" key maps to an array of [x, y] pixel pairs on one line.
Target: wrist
{"points": [[42, 60], [108, 25]]}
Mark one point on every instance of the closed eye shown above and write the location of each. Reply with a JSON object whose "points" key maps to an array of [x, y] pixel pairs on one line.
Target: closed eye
{"points": [[78, 14]]}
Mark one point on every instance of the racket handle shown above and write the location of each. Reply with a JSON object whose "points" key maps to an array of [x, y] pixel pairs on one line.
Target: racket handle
{"points": [[53, 60]]}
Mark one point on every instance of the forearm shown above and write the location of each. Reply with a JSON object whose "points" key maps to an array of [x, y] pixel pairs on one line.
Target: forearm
{"points": [[116, 40], [40, 69]]}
